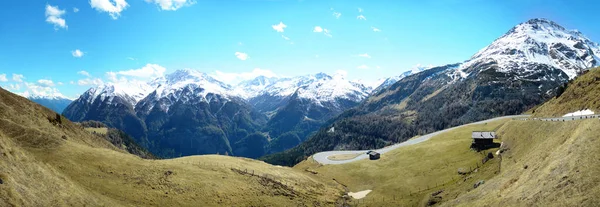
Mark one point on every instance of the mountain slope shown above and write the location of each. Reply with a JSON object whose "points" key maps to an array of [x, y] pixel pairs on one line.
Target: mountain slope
{"points": [[299, 106], [579, 94], [183, 113], [508, 77], [55, 104], [50, 161]]}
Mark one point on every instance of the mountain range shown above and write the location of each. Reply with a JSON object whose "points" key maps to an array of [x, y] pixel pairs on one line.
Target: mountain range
{"points": [[189, 112], [55, 102], [518, 71]]}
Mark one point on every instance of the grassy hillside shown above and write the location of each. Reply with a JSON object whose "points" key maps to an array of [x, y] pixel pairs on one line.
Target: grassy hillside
{"points": [[581, 93], [49, 161], [409, 174], [547, 164], [544, 164]]}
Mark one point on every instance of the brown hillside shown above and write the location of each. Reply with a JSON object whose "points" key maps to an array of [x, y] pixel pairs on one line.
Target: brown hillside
{"points": [[49, 161], [581, 93]]}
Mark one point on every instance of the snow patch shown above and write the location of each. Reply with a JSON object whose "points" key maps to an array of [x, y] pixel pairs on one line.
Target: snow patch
{"points": [[580, 113], [359, 195]]}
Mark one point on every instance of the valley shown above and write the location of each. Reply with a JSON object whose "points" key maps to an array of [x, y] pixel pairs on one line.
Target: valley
{"points": [[309, 103]]}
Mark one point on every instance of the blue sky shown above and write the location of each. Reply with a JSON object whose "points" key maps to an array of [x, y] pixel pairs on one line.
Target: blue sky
{"points": [[239, 39]]}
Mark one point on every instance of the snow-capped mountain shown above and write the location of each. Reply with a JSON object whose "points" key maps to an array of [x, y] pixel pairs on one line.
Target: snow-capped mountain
{"points": [[319, 87], [184, 86], [387, 82], [56, 102], [538, 42], [518, 71], [252, 88]]}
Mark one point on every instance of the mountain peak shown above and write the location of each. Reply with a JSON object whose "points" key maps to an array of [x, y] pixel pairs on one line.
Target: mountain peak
{"points": [[539, 41]]}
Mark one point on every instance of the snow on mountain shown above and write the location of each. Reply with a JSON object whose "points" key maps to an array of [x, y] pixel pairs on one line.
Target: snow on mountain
{"points": [[318, 87], [131, 91], [386, 82], [252, 88], [47, 96], [184, 86], [177, 81], [539, 41]]}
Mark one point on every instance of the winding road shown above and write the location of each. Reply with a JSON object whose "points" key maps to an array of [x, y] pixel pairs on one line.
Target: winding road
{"points": [[323, 157]]}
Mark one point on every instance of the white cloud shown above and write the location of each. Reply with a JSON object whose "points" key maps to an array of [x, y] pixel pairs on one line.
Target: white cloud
{"points": [[38, 89], [375, 29], [361, 17], [90, 82], [172, 5], [318, 29], [45, 83], [327, 33], [279, 27], [112, 76], [364, 67], [284, 37], [54, 16], [75, 9], [378, 67], [130, 58], [337, 15], [112, 7], [84, 73], [234, 78], [148, 71], [3, 78], [59, 83], [240, 43], [77, 53], [364, 55], [241, 55], [360, 10], [15, 87], [18, 77]]}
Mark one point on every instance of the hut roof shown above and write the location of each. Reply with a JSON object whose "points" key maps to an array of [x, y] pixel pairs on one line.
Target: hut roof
{"points": [[483, 135]]}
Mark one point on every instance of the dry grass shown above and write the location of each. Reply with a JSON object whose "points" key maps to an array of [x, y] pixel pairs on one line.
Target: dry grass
{"points": [[45, 164], [582, 93], [562, 167], [399, 177], [97, 130], [343, 157]]}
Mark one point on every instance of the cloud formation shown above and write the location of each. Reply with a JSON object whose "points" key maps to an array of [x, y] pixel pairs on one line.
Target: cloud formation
{"points": [[112, 7], [361, 17], [241, 55], [148, 71], [90, 82], [45, 83], [319, 29], [375, 29], [18, 77], [363, 67], [84, 73], [364, 55], [337, 15], [54, 17], [279, 27], [77, 53], [3, 78], [171, 5], [234, 78]]}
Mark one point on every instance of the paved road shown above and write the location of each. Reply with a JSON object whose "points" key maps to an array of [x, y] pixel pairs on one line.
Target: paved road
{"points": [[322, 157]]}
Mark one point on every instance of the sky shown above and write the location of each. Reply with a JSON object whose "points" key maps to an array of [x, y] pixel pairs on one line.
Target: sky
{"points": [[66, 47]]}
